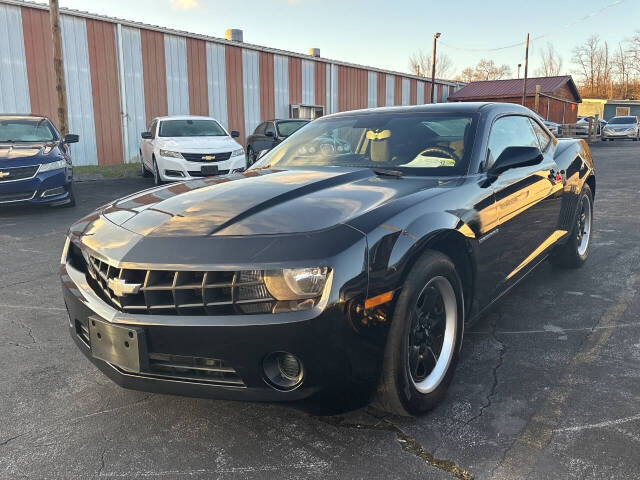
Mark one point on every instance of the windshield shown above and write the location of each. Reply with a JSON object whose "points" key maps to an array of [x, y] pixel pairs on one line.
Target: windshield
{"points": [[191, 128], [622, 120], [26, 130], [287, 128], [420, 143]]}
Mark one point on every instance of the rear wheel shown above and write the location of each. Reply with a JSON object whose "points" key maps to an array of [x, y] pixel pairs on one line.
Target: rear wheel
{"points": [[574, 253], [424, 339]]}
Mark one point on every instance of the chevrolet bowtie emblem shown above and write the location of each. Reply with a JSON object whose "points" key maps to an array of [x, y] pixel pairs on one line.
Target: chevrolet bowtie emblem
{"points": [[208, 158], [4, 174], [120, 287]]}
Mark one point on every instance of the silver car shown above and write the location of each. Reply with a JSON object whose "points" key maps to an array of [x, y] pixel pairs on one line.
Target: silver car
{"points": [[621, 128]]}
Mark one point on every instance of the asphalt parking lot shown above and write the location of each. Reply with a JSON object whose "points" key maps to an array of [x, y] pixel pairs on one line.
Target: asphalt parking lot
{"points": [[548, 385]]}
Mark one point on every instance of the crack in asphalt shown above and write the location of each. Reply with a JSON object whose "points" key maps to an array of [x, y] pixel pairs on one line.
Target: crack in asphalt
{"points": [[494, 373], [408, 444]]}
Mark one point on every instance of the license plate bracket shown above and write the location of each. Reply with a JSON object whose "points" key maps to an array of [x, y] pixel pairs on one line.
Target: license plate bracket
{"points": [[120, 345], [208, 170]]}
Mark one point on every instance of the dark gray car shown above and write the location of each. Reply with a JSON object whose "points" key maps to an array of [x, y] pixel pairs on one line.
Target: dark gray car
{"points": [[269, 134]]}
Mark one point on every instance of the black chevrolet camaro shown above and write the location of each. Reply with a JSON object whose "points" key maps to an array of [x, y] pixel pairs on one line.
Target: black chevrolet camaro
{"points": [[353, 254]]}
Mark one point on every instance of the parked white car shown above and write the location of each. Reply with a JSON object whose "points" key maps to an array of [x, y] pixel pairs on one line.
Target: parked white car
{"points": [[552, 126], [186, 147]]}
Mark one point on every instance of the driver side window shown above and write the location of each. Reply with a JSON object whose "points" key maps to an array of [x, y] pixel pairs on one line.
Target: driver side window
{"points": [[270, 128], [511, 131]]}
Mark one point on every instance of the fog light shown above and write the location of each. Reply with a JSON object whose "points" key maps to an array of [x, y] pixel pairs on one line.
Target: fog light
{"points": [[283, 370], [173, 173], [53, 192]]}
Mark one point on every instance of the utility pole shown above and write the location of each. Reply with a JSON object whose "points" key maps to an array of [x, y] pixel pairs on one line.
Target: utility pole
{"points": [[436, 36], [519, 65], [58, 66], [526, 70]]}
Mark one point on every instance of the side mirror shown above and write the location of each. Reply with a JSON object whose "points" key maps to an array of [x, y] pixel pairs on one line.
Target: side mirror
{"points": [[269, 134], [235, 134], [146, 135], [514, 157], [71, 138]]}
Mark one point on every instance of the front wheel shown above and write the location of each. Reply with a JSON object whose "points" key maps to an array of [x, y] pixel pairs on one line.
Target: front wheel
{"points": [[143, 170], [575, 251], [156, 174], [424, 339]]}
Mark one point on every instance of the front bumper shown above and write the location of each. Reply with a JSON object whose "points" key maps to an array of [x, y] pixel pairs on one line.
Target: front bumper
{"points": [[628, 134], [175, 169], [332, 352], [44, 188]]}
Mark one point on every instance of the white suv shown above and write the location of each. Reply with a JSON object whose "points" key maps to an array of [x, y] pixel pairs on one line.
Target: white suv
{"points": [[186, 147]]}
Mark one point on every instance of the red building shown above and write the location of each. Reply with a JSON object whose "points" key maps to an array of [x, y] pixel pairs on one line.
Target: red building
{"points": [[555, 98]]}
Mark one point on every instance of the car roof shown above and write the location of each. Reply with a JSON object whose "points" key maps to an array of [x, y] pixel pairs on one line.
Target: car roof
{"points": [[451, 107], [185, 117], [22, 116]]}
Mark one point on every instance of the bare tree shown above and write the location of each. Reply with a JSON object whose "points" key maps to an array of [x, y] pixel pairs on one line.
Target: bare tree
{"points": [[484, 70], [551, 62], [488, 70], [594, 65], [420, 64]]}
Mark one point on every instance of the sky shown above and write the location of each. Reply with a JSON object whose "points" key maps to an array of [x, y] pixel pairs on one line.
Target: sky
{"points": [[384, 34]]}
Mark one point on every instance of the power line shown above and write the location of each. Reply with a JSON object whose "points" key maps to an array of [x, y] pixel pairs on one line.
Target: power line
{"points": [[538, 37]]}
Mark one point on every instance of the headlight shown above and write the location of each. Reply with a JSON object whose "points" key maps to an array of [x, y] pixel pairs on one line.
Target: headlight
{"points": [[170, 154], [47, 167], [296, 283], [237, 152]]}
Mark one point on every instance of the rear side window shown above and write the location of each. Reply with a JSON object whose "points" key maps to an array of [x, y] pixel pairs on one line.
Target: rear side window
{"points": [[543, 137], [260, 129], [511, 131]]}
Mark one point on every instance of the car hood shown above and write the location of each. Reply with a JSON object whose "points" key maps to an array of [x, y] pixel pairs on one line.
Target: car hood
{"points": [[19, 154], [259, 202], [198, 144]]}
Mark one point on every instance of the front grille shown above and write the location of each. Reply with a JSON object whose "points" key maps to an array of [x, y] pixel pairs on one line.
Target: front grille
{"points": [[199, 369], [167, 292], [197, 157], [16, 197], [197, 173], [18, 173]]}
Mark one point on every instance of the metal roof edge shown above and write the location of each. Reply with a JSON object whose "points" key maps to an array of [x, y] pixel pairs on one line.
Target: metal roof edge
{"points": [[182, 33]]}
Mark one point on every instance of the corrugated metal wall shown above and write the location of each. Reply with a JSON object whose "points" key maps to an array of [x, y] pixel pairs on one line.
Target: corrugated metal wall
{"points": [[79, 89], [405, 91], [372, 86], [281, 85], [390, 95], [308, 82], [217, 82], [175, 53], [135, 119], [420, 93], [122, 75], [14, 94], [251, 86]]}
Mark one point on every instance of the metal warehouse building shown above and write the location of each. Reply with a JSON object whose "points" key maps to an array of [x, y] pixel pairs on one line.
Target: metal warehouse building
{"points": [[122, 74]]}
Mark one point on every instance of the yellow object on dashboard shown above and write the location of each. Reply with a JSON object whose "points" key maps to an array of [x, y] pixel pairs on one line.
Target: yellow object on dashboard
{"points": [[382, 135]]}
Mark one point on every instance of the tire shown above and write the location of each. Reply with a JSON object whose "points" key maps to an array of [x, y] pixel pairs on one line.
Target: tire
{"points": [[404, 388], [576, 250], [72, 198], [156, 174], [143, 170]]}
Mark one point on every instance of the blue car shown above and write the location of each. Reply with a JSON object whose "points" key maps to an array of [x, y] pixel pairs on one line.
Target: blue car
{"points": [[35, 162]]}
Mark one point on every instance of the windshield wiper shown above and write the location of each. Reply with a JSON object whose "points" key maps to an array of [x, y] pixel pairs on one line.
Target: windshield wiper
{"points": [[383, 172]]}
